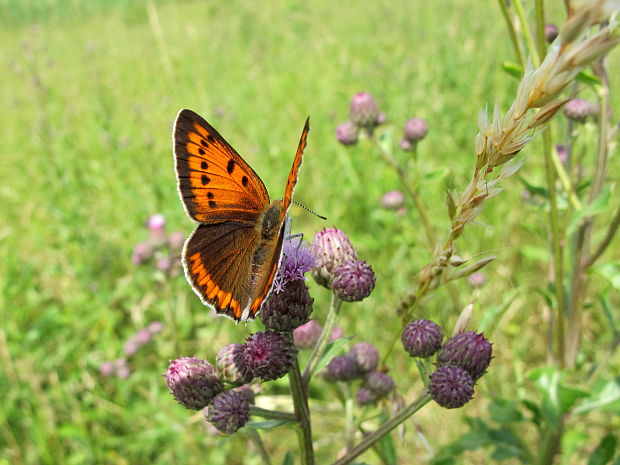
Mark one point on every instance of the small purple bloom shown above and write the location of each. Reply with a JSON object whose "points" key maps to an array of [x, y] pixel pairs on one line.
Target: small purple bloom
{"points": [[347, 133], [562, 153], [131, 347], [337, 333], [363, 110], [164, 264], [379, 383], [579, 110], [143, 337], [405, 145], [123, 372], [451, 386], [307, 335], [469, 350], [354, 281], [193, 382], [551, 32], [155, 327], [176, 240], [230, 363], [228, 411], [343, 368], [476, 280], [422, 338], [269, 355], [331, 247], [416, 129], [366, 355], [365, 397], [107, 369], [393, 200], [156, 222], [142, 253], [297, 259]]}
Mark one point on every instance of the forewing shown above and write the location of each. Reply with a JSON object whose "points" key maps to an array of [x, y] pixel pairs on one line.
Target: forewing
{"points": [[292, 177], [214, 182]]}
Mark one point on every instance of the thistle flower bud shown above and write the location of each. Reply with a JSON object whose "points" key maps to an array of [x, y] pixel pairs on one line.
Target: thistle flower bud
{"points": [[143, 337], [229, 411], [476, 280], [142, 253], [405, 145], [451, 386], [307, 335], [342, 368], [393, 200], [354, 281], [107, 369], [422, 338], [381, 119], [469, 350], [331, 247], [363, 110], [155, 327], [416, 129], [163, 264], [347, 133], [231, 364], [551, 32], [381, 384], [176, 240], [269, 355], [193, 382], [288, 309], [365, 397], [579, 110], [366, 355], [157, 228]]}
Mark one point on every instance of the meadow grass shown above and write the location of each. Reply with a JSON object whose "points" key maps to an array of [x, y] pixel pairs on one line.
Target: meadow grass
{"points": [[90, 94]]}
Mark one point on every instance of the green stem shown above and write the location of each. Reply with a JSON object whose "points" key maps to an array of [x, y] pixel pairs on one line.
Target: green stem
{"points": [[503, 6], [321, 345], [349, 428], [384, 429], [557, 250], [302, 413], [531, 44], [271, 414]]}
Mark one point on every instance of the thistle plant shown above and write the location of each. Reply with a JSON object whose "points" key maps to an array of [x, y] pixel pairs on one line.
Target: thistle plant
{"points": [[451, 361]]}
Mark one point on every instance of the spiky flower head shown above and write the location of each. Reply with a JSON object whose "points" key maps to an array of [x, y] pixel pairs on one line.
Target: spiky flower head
{"points": [[366, 355], [354, 281], [469, 350], [416, 129], [269, 355], [297, 259], [380, 383], [551, 32], [365, 396], [307, 335], [342, 368], [579, 110], [230, 363], [393, 200], [288, 309], [451, 386], [422, 338], [331, 247], [347, 133], [363, 110], [193, 382], [229, 411]]}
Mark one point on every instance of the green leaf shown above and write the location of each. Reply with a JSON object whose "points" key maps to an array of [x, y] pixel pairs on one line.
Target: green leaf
{"points": [[605, 451], [605, 396], [513, 69], [533, 188], [586, 77], [599, 205], [610, 271], [608, 312], [333, 349], [388, 449], [534, 253], [504, 411], [288, 458], [267, 424], [572, 441], [440, 174]]}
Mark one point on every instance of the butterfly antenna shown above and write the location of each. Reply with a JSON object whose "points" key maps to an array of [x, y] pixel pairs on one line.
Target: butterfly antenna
{"points": [[307, 209]]}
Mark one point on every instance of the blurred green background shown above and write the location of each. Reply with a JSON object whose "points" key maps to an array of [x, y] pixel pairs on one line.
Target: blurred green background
{"points": [[89, 93]]}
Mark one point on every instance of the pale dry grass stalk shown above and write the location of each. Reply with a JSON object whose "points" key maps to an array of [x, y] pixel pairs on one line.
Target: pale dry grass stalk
{"points": [[500, 139]]}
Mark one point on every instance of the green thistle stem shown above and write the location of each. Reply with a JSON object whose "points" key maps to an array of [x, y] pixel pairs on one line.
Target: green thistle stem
{"points": [[271, 414], [384, 429], [302, 413], [321, 345]]}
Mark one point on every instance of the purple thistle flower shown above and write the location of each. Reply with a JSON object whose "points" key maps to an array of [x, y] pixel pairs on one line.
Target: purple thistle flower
{"points": [[297, 259], [347, 133], [107, 369], [363, 110], [416, 129], [451, 386], [365, 397], [193, 382], [143, 337], [476, 280], [469, 350], [307, 335], [269, 355], [381, 119], [155, 327], [366, 355], [579, 110], [380, 383], [123, 372], [422, 338], [393, 200], [405, 145], [337, 333], [157, 229], [288, 309], [343, 368], [131, 347], [331, 247], [551, 32], [142, 253], [230, 363], [354, 281], [229, 411], [163, 264], [247, 391]]}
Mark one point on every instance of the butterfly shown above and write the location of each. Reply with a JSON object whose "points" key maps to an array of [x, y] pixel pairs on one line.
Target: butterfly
{"points": [[231, 258]]}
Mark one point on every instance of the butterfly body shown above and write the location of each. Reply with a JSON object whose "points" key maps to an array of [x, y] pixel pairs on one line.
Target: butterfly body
{"points": [[232, 257]]}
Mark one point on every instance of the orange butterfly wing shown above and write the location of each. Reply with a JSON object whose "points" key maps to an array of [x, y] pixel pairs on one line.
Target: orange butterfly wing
{"points": [[214, 182]]}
